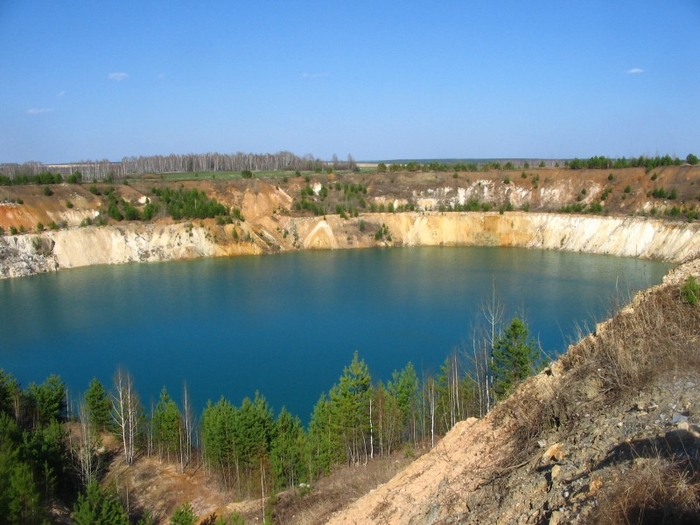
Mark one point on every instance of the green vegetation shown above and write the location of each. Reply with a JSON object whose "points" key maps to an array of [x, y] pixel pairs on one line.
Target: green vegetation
{"points": [[690, 291], [251, 452], [99, 507], [184, 515], [382, 234], [38, 179], [602, 162], [661, 193], [515, 358]]}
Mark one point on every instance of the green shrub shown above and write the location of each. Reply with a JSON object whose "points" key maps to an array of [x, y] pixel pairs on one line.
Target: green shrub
{"points": [[69, 204], [19, 201], [628, 189], [690, 291], [611, 177], [39, 226], [48, 191], [247, 174], [13, 230]]}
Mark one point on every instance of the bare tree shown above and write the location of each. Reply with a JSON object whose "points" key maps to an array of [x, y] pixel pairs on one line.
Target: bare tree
{"points": [[187, 429], [84, 445], [125, 412]]}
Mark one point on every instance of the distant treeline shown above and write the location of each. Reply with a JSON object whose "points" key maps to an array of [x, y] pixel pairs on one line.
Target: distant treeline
{"points": [[190, 163], [599, 162], [640, 162]]}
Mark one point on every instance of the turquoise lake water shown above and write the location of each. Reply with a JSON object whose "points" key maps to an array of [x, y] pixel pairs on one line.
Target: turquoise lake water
{"points": [[287, 324]]}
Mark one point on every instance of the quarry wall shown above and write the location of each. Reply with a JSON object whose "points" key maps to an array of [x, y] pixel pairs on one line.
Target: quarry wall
{"points": [[27, 254]]}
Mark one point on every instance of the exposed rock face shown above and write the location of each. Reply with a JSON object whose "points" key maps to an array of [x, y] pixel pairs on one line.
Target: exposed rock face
{"points": [[138, 242], [24, 255]]}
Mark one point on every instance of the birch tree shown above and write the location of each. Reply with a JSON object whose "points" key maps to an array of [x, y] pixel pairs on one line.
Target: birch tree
{"points": [[126, 409]]}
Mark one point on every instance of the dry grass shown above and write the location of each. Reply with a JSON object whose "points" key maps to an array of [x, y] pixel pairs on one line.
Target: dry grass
{"points": [[334, 492], [657, 335], [653, 491]]}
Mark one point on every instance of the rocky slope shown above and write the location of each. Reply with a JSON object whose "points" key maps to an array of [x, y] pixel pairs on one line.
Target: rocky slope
{"points": [[609, 433]]}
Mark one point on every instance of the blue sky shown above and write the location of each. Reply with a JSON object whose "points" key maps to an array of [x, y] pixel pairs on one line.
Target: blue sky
{"points": [[378, 80]]}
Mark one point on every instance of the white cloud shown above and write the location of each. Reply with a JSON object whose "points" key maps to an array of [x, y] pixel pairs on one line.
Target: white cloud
{"points": [[314, 75], [60, 93], [118, 77], [634, 71], [39, 111]]}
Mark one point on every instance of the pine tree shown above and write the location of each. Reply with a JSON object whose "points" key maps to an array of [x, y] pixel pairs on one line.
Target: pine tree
{"points": [[98, 405], [287, 451], [218, 439], [515, 358], [167, 426], [99, 507], [324, 445], [48, 400], [351, 399], [184, 515]]}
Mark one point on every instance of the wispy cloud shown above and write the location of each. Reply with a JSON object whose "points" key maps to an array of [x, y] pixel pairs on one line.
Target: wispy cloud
{"points": [[60, 93], [314, 75], [634, 71], [39, 111], [118, 77]]}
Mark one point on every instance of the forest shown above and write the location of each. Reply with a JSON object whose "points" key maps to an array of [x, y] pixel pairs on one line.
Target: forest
{"points": [[248, 163], [51, 447]]}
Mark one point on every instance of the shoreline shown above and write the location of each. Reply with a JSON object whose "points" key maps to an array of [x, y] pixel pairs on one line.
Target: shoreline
{"points": [[645, 238]]}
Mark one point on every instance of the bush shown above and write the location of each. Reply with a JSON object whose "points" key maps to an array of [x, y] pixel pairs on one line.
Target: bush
{"points": [[13, 230], [628, 189], [69, 204], [48, 191], [247, 174], [184, 515], [690, 291], [39, 226]]}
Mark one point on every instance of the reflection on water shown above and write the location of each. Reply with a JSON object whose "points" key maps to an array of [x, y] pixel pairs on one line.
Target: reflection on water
{"points": [[286, 325]]}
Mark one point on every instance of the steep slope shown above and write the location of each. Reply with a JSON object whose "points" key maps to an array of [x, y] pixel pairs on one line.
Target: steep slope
{"points": [[609, 433]]}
